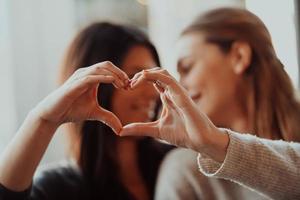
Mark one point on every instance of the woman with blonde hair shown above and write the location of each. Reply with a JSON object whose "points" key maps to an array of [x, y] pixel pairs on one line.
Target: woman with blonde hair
{"points": [[229, 68]]}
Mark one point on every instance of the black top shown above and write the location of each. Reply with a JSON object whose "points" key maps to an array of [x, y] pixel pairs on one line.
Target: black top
{"points": [[64, 181]]}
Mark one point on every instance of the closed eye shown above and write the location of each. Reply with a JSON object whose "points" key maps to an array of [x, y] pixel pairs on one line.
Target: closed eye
{"points": [[184, 69], [184, 65]]}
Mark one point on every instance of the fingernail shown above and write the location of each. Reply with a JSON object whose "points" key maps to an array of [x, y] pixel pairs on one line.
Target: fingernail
{"points": [[133, 82]]}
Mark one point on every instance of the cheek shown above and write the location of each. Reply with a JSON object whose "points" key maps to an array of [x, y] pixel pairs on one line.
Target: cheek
{"points": [[120, 105], [214, 74], [217, 96], [131, 106], [213, 85], [199, 78], [122, 99]]}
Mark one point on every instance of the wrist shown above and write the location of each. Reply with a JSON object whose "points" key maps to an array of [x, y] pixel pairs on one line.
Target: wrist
{"points": [[216, 144], [41, 123]]}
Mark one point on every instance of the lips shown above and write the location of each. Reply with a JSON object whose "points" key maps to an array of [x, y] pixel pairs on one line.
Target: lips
{"points": [[144, 110]]}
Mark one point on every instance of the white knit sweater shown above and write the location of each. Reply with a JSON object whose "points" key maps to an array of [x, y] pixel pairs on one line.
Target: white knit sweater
{"points": [[255, 168], [270, 167]]}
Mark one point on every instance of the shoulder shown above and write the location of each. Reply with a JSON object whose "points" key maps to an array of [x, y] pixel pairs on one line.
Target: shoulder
{"points": [[58, 171], [180, 158], [179, 167], [63, 178], [180, 178], [156, 146], [153, 151], [178, 175]]}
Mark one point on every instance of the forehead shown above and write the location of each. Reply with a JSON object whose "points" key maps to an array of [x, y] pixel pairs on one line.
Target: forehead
{"points": [[189, 43], [138, 58]]}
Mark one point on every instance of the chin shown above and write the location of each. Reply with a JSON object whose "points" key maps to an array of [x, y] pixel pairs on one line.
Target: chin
{"points": [[133, 138], [138, 119]]}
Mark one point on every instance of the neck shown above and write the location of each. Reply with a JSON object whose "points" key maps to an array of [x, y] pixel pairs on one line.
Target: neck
{"points": [[127, 152], [129, 169], [240, 115]]}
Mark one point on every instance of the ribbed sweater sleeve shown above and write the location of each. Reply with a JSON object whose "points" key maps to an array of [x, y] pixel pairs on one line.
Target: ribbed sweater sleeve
{"points": [[270, 167]]}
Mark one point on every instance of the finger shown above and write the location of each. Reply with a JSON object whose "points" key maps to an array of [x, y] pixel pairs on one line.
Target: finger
{"points": [[108, 66], [167, 102], [91, 80], [141, 129], [153, 69], [158, 88], [137, 75], [118, 83], [109, 119], [72, 90], [157, 76], [117, 71], [99, 70]]}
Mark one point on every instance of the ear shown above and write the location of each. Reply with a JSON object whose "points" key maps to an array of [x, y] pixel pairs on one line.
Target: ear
{"points": [[241, 56]]}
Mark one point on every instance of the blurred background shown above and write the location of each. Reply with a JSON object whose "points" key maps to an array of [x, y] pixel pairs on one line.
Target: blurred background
{"points": [[35, 33]]}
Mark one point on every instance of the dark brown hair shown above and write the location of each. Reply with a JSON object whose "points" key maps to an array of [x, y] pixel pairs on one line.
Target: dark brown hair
{"points": [[96, 142]]}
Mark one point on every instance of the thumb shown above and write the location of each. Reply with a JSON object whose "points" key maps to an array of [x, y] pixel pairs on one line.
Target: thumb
{"points": [[109, 119], [141, 129]]}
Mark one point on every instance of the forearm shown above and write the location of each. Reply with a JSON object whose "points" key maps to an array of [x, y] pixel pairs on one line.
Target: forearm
{"points": [[269, 167], [21, 157]]}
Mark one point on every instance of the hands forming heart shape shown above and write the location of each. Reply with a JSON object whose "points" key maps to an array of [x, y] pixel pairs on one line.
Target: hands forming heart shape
{"points": [[180, 122]]}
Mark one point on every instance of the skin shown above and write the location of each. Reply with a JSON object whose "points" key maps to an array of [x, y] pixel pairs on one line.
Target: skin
{"points": [[134, 106], [216, 81], [76, 101], [21, 157], [139, 102], [212, 83], [181, 122]]}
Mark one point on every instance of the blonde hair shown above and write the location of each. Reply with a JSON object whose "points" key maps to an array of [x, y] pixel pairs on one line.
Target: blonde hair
{"points": [[277, 111]]}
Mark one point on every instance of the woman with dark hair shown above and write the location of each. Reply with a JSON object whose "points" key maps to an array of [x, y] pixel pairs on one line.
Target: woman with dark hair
{"points": [[103, 165]]}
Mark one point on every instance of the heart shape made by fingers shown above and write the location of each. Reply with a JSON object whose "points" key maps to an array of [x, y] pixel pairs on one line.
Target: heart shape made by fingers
{"points": [[141, 108]]}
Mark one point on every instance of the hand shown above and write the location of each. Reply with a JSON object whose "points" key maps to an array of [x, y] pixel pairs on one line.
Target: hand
{"points": [[76, 99], [180, 123]]}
